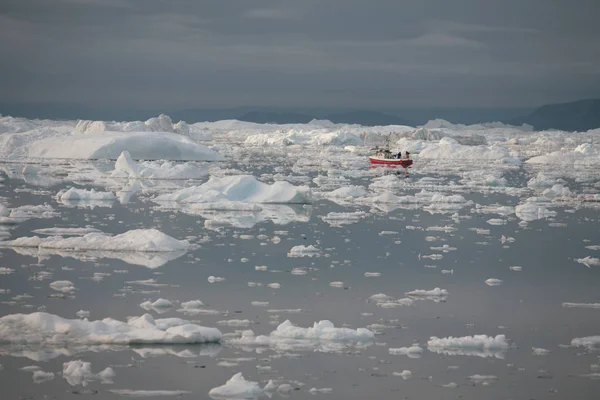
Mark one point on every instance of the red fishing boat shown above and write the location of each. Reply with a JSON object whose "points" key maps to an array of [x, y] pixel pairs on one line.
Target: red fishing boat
{"points": [[383, 160]]}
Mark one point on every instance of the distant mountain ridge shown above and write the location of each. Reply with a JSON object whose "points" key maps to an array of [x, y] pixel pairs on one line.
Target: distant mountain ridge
{"points": [[580, 115]]}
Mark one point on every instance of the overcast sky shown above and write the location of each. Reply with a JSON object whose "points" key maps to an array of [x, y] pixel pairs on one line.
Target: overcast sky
{"points": [[314, 53]]}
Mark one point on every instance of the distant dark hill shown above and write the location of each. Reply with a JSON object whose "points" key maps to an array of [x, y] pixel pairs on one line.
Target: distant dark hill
{"points": [[580, 115], [269, 117], [367, 118]]}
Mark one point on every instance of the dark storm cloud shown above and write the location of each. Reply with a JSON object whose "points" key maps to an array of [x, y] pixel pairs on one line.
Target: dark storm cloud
{"points": [[175, 53]]}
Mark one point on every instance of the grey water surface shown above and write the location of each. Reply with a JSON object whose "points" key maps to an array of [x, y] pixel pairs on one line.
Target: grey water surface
{"points": [[526, 307]]}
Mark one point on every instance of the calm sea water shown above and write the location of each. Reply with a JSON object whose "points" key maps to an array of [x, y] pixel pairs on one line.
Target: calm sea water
{"points": [[526, 307]]}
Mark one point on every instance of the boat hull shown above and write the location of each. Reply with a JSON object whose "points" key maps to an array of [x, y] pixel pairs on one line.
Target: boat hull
{"points": [[403, 162]]}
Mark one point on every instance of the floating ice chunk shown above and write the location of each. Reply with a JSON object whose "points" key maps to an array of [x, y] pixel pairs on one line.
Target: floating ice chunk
{"points": [[493, 282], [405, 302], [477, 345], [483, 379], [213, 279], [40, 376], [236, 388], [109, 145], [43, 328], [6, 271], [413, 351], [496, 221], [82, 314], [589, 261], [320, 390], [65, 231], [126, 166], [240, 188], [192, 305], [450, 149], [372, 274], [322, 330], [531, 212], [274, 285], [450, 385], [260, 303], [142, 240], [160, 305], [336, 284], [406, 374], [347, 192], [235, 322], [79, 372], [445, 248], [538, 351], [448, 271], [588, 341], [302, 251], [63, 286], [339, 219], [437, 292], [149, 393], [380, 297], [581, 305], [74, 194], [515, 268]]}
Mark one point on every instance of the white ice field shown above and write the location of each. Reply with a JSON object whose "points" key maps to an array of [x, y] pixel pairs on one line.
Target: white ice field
{"points": [[237, 260]]}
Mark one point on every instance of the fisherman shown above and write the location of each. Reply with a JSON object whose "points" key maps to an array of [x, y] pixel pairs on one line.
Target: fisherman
{"points": [[407, 155], [399, 155]]}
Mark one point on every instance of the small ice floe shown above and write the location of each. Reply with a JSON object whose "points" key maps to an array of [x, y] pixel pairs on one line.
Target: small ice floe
{"points": [[595, 247], [445, 248], [149, 393], [340, 219], [320, 390], [482, 379], [385, 233], [581, 305], [589, 261], [260, 303], [432, 256], [505, 239], [160, 306], [235, 322], [446, 229], [405, 302], [65, 231], [591, 342], [304, 251], [274, 285], [493, 282], [372, 274], [530, 211], [448, 271], [6, 271], [74, 194], [414, 351], [82, 314], [137, 240], [192, 305], [336, 284], [236, 388], [451, 385], [496, 221], [420, 293], [63, 286], [406, 374], [538, 351], [477, 345], [78, 372], [40, 376], [44, 328], [515, 268], [213, 279], [261, 268]]}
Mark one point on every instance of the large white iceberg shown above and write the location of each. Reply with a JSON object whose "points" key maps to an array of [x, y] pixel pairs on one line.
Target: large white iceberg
{"points": [[125, 167], [240, 188], [450, 150], [47, 329], [109, 145], [146, 240]]}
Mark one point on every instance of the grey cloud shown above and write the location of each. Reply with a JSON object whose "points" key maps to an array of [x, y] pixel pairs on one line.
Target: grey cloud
{"points": [[178, 53]]}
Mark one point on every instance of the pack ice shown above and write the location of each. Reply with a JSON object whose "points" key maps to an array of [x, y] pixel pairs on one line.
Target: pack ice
{"points": [[48, 329]]}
